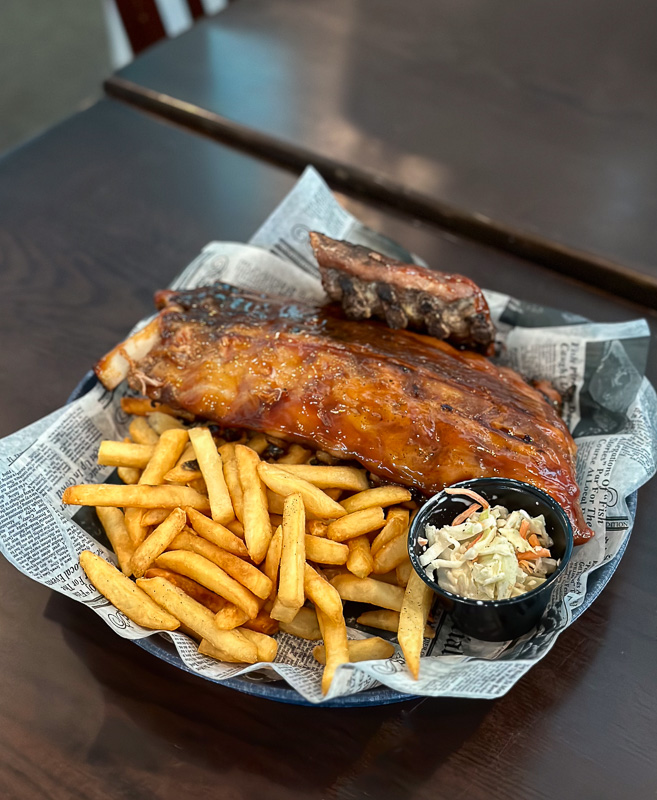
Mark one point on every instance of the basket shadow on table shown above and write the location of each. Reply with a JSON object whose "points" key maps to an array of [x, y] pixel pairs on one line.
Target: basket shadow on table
{"points": [[153, 710]]}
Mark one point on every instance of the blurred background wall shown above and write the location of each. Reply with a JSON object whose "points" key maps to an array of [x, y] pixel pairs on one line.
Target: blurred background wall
{"points": [[54, 56]]}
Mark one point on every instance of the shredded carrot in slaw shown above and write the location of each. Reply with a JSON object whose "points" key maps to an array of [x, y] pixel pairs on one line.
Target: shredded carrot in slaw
{"points": [[468, 493], [466, 514], [533, 555], [524, 527]]}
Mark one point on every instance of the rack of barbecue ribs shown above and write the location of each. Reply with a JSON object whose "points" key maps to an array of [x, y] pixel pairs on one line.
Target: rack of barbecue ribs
{"points": [[412, 409], [368, 284]]}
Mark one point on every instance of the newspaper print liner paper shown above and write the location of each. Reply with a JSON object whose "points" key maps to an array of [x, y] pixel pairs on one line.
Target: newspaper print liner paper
{"points": [[610, 407]]}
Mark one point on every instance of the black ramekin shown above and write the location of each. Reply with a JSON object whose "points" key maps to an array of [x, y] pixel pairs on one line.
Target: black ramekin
{"points": [[495, 620]]}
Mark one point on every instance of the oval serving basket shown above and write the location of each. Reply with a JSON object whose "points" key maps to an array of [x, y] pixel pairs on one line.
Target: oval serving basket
{"points": [[378, 696]]}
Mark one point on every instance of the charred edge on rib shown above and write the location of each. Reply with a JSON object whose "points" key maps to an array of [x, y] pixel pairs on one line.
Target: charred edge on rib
{"points": [[410, 308]]}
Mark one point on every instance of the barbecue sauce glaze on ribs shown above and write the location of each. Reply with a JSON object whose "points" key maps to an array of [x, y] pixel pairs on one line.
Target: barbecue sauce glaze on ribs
{"points": [[408, 407]]}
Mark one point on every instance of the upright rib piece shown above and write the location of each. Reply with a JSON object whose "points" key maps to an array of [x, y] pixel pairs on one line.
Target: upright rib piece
{"points": [[369, 284]]}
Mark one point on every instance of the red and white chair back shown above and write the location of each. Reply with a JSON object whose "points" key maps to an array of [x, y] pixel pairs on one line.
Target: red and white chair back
{"points": [[134, 25]]}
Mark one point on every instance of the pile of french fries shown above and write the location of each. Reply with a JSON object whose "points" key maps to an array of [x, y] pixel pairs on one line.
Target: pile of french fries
{"points": [[232, 536]]}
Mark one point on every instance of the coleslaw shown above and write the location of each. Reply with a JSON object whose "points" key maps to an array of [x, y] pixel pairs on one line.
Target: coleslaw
{"points": [[488, 553]]}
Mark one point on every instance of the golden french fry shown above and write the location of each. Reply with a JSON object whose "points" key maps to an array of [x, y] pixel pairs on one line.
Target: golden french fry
{"points": [[157, 542], [141, 432], [198, 484], [165, 455], [230, 617], [263, 623], [255, 514], [304, 625], [334, 494], [140, 496], [207, 649], [293, 555], [134, 524], [282, 613], [154, 516], [402, 512], [360, 560], [314, 499], [322, 594], [125, 595], [129, 475], [273, 560], [114, 526], [198, 618], [188, 631], [236, 527], [356, 524], [334, 634], [258, 443], [267, 647], [295, 455], [276, 520], [370, 649], [243, 572], [216, 533], [211, 467], [140, 406], [381, 496], [396, 525], [232, 478], [387, 577], [188, 454], [403, 572], [388, 621], [124, 454], [316, 527], [412, 619], [367, 590], [160, 422], [324, 551], [197, 592], [186, 469], [348, 478], [391, 555], [203, 571], [275, 503]]}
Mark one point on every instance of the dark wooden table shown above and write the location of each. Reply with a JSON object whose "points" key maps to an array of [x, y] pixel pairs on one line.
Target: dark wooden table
{"points": [[527, 124], [94, 216]]}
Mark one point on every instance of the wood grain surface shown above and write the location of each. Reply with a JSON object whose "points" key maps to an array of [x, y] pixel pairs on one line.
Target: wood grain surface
{"points": [[529, 125], [96, 215]]}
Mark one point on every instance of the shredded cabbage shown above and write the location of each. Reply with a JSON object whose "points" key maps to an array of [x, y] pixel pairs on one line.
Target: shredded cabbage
{"points": [[482, 558]]}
